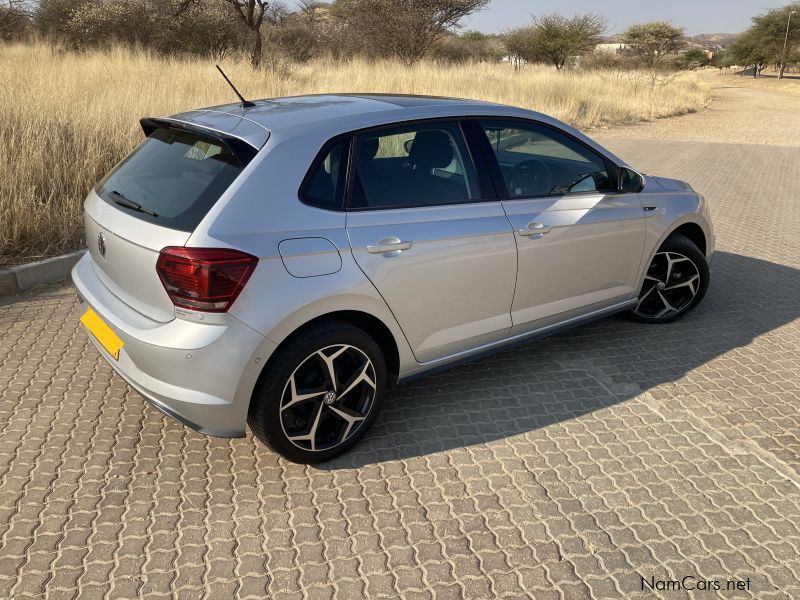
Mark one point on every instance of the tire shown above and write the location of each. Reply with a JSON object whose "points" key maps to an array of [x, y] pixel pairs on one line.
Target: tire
{"points": [[676, 281], [297, 390]]}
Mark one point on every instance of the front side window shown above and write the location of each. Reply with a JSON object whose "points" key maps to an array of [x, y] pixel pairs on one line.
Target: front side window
{"points": [[538, 161], [412, 165]]}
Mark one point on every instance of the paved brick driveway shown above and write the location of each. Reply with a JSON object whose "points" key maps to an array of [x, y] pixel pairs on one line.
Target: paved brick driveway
{"points": [[566, 468]]}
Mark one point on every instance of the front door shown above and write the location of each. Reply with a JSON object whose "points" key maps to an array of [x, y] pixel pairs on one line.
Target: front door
{"points": [[580, 241]]}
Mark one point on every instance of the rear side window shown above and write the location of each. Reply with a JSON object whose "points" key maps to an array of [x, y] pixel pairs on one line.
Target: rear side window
{"points": [[174, 176], [413, 165], [325, 182]]}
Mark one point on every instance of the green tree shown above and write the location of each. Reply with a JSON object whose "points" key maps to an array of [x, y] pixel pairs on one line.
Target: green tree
{"points": [[405, 29], [692, 59], [471, 46], [168, 26], [751, 50], [722, 59], [205, 28], [653, 41], [776, 33], [112, 21], [557, 38], [473, 36], [519, 44]]}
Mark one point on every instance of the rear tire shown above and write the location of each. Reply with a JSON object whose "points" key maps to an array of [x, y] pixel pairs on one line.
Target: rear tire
{"points": [[320, 393], [676, 281]]}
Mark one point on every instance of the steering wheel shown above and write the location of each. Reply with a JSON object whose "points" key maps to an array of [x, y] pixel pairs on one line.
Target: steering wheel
{"points": [[531, 177]]}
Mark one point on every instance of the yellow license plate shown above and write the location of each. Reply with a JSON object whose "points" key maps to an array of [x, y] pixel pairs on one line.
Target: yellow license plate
{"points": [[102, 333]]}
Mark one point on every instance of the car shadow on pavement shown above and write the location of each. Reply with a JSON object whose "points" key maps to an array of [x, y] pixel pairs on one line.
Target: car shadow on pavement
{"points": [[581, 370]]}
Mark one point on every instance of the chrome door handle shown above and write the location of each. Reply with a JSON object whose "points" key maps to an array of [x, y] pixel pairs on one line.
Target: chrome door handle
{"points": [[534, 229], [389, 244]]}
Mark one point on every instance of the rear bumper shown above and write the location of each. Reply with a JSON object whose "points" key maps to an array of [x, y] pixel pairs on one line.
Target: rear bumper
{"points": [[200, 373]]}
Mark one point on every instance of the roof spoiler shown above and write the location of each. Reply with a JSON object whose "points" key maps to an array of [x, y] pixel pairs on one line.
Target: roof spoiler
{"points": [[238, 147]]}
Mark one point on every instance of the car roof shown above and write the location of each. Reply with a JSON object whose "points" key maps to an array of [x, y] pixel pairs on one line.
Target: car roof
{"points": [[411, 100], [324, 105], [287, 113], [327, 115]]}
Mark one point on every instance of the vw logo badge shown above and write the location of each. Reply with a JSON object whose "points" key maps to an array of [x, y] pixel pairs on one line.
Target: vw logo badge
{"points": [[329, 398], [101, 244]]}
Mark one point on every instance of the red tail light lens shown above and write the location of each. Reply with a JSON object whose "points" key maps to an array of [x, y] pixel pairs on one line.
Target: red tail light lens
{"points": [[206, 279]]}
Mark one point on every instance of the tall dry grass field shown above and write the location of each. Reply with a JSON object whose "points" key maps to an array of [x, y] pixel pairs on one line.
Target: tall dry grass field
{"points": [[66, 118]]}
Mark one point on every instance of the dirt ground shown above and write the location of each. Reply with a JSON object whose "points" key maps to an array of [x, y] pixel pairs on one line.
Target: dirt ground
{"points": [[743, 111]]}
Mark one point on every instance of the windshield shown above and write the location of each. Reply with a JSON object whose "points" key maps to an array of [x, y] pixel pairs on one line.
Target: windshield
{"points": [[172, 179]]}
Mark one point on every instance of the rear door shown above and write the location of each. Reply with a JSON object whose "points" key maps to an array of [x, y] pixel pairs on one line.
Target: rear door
{"points": [[443, 258], [152, 199], [580, 240]]}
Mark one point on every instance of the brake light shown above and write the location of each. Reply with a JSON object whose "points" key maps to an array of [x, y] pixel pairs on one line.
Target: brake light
{"points": [[205, 279]]}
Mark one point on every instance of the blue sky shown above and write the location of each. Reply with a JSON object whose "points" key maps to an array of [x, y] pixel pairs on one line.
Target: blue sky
{"points": [[697, 16]]}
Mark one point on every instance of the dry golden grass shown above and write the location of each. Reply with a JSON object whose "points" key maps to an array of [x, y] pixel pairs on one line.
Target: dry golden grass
{"points": [[66, 118]]}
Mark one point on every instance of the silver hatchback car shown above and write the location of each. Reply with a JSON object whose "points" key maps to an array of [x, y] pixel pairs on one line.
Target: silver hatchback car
{"points": [[284, 263]]}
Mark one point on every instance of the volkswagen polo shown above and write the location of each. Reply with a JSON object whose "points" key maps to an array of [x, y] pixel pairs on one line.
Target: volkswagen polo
{"points": [[284, 262]]}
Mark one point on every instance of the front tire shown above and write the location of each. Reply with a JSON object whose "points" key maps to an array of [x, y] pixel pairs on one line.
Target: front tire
{"points": [[676, 281], [320, 393]]}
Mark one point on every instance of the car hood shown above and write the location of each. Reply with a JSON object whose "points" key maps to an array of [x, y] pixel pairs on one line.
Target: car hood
{"points": [[671, 185]]}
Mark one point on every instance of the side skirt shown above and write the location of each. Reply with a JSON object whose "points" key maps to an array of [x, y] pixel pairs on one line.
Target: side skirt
{"points": [[468, 356]]}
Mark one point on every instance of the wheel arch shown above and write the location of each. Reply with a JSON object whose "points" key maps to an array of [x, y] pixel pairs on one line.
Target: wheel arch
{"points": [[391, 341], [692, 226], [693, 232], [368, 323]]}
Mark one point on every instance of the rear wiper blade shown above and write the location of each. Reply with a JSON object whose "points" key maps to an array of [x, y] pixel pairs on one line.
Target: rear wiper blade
{"points": [[127, 203]]}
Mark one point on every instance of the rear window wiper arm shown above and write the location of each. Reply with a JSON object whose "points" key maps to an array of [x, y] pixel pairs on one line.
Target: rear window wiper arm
{"points": [[120, 199]]}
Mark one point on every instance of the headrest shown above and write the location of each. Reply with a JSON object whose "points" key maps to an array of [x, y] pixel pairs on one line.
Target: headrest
{"points": [[431, 150], [367, 149]]}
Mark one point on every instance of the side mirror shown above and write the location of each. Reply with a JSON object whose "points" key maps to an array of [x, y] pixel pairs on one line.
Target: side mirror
{"points": [[630, 181], [407, 145]]}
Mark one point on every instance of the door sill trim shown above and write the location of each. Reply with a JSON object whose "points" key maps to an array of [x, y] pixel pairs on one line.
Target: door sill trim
{"points": [[426, 368]]}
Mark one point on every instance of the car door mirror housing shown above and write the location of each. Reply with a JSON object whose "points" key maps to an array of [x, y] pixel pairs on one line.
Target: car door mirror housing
{"points": [[630, 180]]}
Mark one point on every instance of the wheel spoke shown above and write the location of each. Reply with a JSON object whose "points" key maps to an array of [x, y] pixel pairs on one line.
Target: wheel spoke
{"points": [[667, 306], [297, 398], [311, 435], [644, 297], [687, 283], [362, 376], [670, 262], [349, 416], [669, 267], [330, 370]]}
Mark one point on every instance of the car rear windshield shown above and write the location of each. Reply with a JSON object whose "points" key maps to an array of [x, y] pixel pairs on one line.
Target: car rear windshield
{"points": [[172, 179]]}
